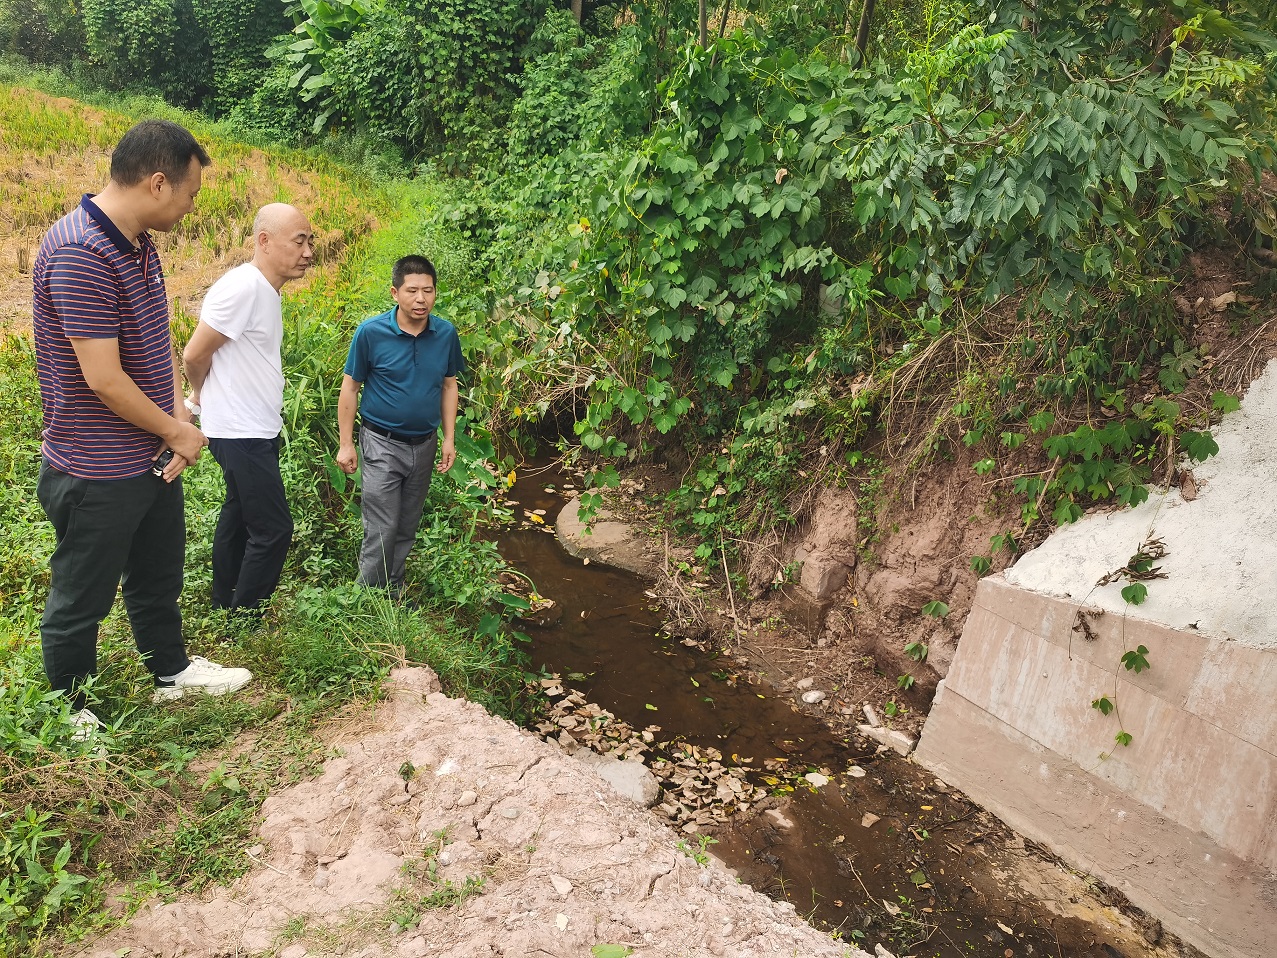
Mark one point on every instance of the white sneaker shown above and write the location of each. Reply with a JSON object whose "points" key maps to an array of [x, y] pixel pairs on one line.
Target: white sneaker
{"points": [[202, 676], [85, 726]]}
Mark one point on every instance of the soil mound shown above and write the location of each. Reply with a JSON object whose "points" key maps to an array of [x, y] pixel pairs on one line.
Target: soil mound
{"points": [[383, 853]]}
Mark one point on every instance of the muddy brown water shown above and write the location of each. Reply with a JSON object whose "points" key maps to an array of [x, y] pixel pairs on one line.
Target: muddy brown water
{"points": [[927, 879]]}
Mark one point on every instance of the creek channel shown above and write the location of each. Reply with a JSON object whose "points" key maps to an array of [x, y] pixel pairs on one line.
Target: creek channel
{"points": [[888, 856]]}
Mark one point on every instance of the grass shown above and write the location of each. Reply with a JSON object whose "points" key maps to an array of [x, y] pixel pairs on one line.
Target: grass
{"points": [[169, 806]]}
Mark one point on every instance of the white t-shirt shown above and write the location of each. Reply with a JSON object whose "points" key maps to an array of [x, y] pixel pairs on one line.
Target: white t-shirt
{"points": [[243, 396]]}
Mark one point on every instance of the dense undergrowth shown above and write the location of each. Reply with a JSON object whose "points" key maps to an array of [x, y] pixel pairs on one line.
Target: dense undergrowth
{"points": [[751, 249], [989, 220]]}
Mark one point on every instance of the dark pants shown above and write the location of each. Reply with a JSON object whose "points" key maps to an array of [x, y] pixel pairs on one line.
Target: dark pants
{"points": [[108, 530], [254, 529]]}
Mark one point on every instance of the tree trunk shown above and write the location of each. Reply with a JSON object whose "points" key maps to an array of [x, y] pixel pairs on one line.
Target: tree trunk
{"points": [[862, 32], [722, 28], [722, 24], [704, 23], [577, 10]]}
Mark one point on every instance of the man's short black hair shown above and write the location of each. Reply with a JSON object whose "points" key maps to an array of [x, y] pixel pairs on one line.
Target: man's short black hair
{"points": [[155, 146], [410, 266]]}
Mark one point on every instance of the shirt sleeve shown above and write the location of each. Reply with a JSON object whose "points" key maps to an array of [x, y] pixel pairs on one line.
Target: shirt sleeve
{"points": [[357, 358], [227, 307], [86, 293]]}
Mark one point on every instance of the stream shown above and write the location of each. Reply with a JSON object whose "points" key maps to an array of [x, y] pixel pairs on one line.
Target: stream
{"points": [[885, 856]]}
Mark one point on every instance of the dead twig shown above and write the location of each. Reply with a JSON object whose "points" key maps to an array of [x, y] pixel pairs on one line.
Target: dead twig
{"points": [[727, 577]]}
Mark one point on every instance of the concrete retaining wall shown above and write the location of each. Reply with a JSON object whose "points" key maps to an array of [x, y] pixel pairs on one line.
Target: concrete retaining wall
{"points": [[1184, 819]]}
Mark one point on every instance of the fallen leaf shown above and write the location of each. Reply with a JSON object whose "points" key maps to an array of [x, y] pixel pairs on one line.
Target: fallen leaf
{"points": [[1005, 929], [1222, 302]]}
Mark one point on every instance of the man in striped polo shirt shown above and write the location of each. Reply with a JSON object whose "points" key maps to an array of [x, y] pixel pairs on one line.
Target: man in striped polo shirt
{"points": [[112, 396]]}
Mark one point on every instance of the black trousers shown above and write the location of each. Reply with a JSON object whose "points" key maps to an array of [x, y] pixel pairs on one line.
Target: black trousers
{"points": [[255, 528], [108, 530]]}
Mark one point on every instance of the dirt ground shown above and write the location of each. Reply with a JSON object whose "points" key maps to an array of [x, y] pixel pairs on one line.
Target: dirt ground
{"points": [[428, 795]]}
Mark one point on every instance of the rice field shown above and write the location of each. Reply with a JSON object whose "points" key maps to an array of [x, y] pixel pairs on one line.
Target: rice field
{"points": [[54, 149]]}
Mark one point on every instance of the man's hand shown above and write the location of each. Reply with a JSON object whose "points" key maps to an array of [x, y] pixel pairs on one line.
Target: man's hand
{"points": [[347, 458], [186, 441], [447, 456], [174, 467]]}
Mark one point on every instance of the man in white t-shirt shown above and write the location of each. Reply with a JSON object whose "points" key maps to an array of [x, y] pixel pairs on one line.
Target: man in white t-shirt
{"points": [[237, 388]]}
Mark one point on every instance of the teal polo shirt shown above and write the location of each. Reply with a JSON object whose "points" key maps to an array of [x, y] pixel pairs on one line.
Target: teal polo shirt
{"points": [[402, 374]]}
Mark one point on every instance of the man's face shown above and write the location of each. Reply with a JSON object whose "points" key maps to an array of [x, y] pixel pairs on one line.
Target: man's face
{"points": [[415, 296], [174, 200], [290, 249]]}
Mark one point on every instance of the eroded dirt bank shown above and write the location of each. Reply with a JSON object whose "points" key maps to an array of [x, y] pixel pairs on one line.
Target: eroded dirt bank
{"points": [[428, 793]]}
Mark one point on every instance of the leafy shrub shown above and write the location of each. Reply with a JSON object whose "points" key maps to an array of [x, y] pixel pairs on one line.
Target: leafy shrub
{"points": [[158, 44], [411, 73], [790, 221], [576, 90], [48, 32], [238, 34], [377, 86]]}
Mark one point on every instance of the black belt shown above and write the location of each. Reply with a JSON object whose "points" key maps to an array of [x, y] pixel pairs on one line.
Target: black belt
{"points": [[395, 436]]}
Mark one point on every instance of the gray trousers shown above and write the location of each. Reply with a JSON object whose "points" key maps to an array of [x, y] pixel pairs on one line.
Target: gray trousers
{"points": [[396, 478]]}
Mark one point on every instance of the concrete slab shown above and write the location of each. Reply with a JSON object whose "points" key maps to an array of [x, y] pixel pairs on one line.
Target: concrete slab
{"points": [[1216, 901], [1184, 819]]}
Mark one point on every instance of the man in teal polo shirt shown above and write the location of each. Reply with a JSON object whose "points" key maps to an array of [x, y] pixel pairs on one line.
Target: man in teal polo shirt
{"points": [[405, 362]]}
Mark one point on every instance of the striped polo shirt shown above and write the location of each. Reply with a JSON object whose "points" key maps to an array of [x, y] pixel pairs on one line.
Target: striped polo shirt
{"points": [[92, 283]]}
